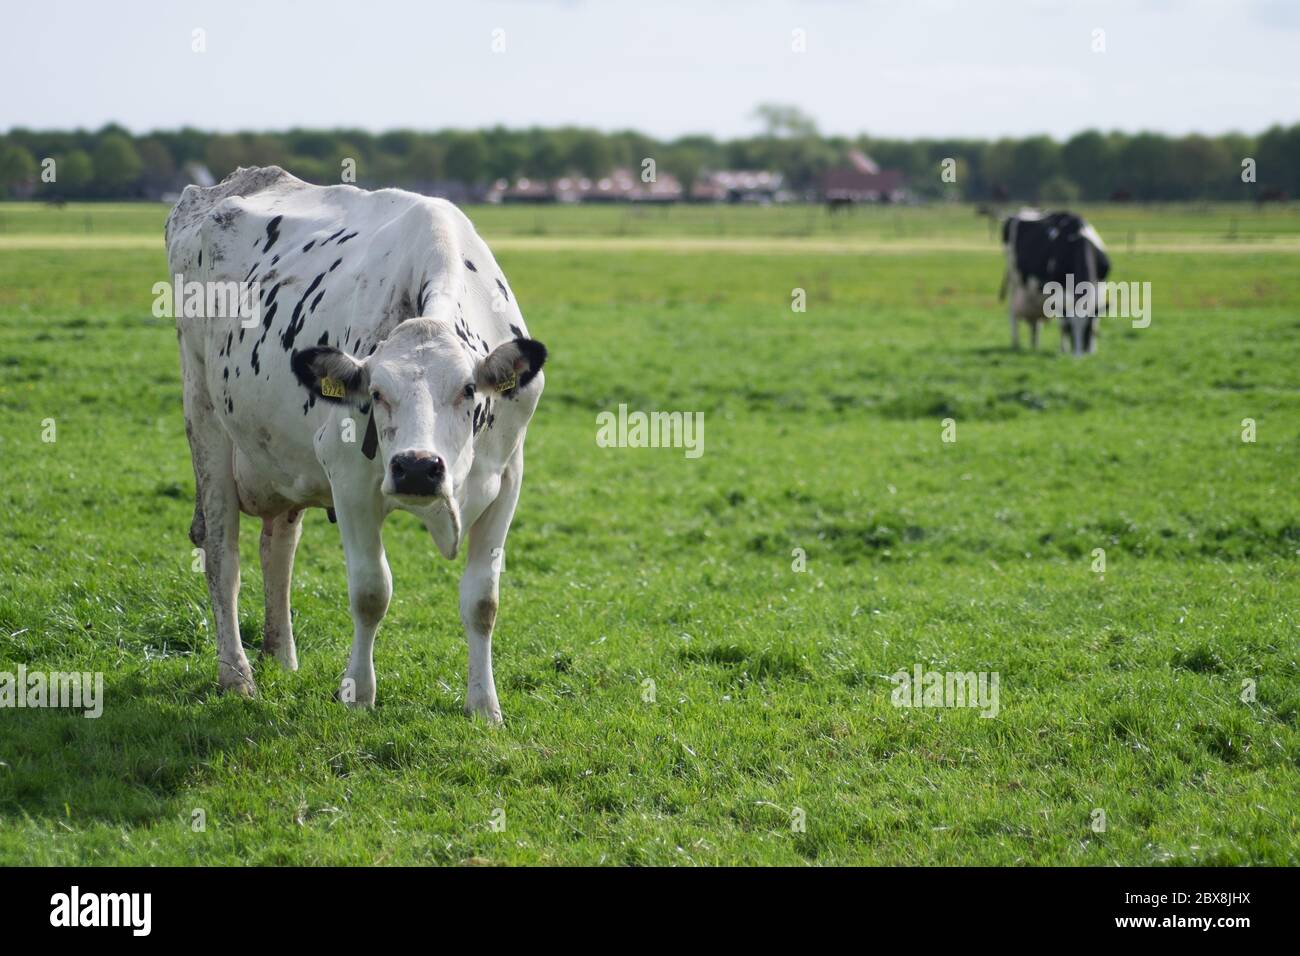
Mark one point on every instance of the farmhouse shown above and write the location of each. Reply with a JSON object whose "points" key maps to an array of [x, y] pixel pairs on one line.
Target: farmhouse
{"points": [[621, 185], [860, 181], [739, 186]]}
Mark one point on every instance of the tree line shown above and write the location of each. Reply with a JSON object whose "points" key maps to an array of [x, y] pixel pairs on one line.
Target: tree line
{"points": [[113, 163]]}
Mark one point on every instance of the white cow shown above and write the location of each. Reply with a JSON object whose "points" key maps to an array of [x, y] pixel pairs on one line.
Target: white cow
{"points": [[388, 369]]}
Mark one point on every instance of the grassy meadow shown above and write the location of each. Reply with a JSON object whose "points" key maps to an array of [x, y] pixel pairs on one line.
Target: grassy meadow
{"points": [[674, 692]]}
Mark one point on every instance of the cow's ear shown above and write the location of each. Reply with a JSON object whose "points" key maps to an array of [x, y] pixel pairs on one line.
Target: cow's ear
{"points": [[511, 367], [330, 375]]}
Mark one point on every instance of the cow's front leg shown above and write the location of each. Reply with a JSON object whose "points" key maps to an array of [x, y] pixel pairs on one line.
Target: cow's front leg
{"points": [[370, 585], [479, 592]]}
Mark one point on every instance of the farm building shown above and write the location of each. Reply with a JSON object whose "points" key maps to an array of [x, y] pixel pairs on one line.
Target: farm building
{"points": [[861, 180], [621, 185], [739, 185]]}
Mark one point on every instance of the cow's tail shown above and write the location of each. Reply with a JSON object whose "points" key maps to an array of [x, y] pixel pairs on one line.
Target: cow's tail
{"points": [[1009, 231]]}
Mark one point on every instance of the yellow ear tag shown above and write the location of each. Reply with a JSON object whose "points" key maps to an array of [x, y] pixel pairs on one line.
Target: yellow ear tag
{"points": [[332, 388], [509, 383]]}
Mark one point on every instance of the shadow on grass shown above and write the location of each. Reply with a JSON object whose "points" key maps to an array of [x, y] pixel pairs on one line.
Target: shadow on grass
{"points": [[128, 764]]}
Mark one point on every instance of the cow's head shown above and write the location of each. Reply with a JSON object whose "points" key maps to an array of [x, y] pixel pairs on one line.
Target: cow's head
{"points": [[420, 385], [1085, 258]]}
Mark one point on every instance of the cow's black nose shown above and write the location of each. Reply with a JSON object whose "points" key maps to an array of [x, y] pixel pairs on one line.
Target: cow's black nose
{"points": [[417, 473]]}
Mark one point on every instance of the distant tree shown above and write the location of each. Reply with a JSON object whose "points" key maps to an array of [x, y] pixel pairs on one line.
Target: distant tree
{"points": [[1059, 190], [17, 167], [1089, 161], [1143, 167], [225, 154], [74, 173], [589, 153], [398, 142], [545, 158], [1199, 166], [999, 167], [1279, 159], [1034, 161], [156, 161], [117, 164], [424, 162], [467, 157], [780, 121]]}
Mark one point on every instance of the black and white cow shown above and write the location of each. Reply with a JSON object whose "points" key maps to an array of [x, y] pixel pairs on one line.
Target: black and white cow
{"points": [[1061, 248], [388, 369]]}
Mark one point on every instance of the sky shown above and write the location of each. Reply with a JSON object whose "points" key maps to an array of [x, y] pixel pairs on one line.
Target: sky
{"points": [[910, 68]]}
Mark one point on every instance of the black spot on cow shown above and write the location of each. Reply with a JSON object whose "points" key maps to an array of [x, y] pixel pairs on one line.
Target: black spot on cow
{"points": [[200, 258], [251, 270], [298, 320], [225, 374], [351, 235], [253, 360], [307, 248], [335, 236], [230, 406], [272, 232], [502, 286], [336, 264], [519, 333], [274, 260], [1050, 248], [324, 339], [470, 266], [421, 297], [268, 318]]}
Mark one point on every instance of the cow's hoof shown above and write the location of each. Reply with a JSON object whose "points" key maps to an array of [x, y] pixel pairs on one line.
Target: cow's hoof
{"points": [[489, 713], [287, 659], [348, 694], [240, 685]]}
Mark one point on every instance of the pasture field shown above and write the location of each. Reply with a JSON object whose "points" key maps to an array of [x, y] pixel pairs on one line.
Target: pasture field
{"points": [[1163, 693]]}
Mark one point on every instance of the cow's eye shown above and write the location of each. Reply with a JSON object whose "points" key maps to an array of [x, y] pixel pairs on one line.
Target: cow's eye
{"points": [[469, 390], [377, 395]]}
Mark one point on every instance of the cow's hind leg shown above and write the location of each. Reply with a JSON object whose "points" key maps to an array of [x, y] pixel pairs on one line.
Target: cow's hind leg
{"points": [[278, 543], [213, 455]]}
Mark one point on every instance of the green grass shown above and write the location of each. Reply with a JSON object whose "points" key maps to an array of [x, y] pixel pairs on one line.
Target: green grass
{"points": [[1122, 224], [822, 432]]}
